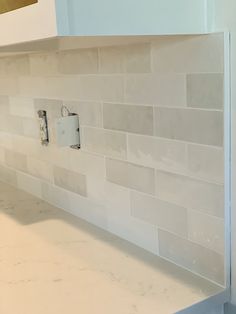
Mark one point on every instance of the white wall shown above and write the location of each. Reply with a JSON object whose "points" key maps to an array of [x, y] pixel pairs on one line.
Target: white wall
{"points": [[131, 17]]}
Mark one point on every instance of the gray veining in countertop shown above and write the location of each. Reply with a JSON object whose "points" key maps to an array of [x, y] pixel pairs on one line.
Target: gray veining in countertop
{"points": [[54, 263]]}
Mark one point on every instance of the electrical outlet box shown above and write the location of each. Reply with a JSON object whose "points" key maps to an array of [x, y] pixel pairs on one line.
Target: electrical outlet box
{"points": [[43, 127], [67, 131]]}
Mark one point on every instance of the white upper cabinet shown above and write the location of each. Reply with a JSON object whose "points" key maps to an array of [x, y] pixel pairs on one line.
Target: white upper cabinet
{"points": [[51, 18], [32, 22]]}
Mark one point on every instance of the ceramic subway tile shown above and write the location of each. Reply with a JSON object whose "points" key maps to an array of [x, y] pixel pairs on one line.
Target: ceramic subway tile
{"points": [[190, 193], [160, 213], [192, 256], [101, 88], [129, 58], [56, 196], [130, 175], [81, 61], [112, 59], [31, 128], [52, 106], [8, 175], [30, 86], [40, 169], [206, 162], [4, 105], [21, 106], [207, 231], [114, 197], [85, 208], [134, 119], [128, 85], [70, 180], [191, 125], [104, 142], [157, 153], [14, 66], [58, 156], [205, 90], [156, 89], [6, 140], [189, 54], [134, 230], [9, 86], [29, 184], [16, 160], [2, 155], [44, 64], [138, 58], [14, 124], [52, 87], [90, 113], [87, 163]]}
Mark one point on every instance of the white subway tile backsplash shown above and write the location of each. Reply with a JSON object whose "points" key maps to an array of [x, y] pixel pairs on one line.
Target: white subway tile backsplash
{"points": [[130, 175], [8, 175], [162, 214], [190, 193], [6, 140], [30, 184], [4, 105], [16, 66], [101, 88], [87, 163], [53, 87], [138, 58], [52, 106], [85, 208], [104, 142], [189, 54], [192, 256], [134, 230], [112, 60], [12, 124], [2, 155], [44, 64], [158, 153], [206, 162], [70, 180], [21, 106], [191, 125], [167, 90], [40, 169], [56, 196], [31, 127], [205, 90], [90, 113], [134, 119], [16, 160], [9, 86], [132, 59], [81, 61], [207, 231], [151, 163]]}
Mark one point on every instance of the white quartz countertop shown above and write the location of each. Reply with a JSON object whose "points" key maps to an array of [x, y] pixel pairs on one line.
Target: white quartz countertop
{"points": [[54, 263]]}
